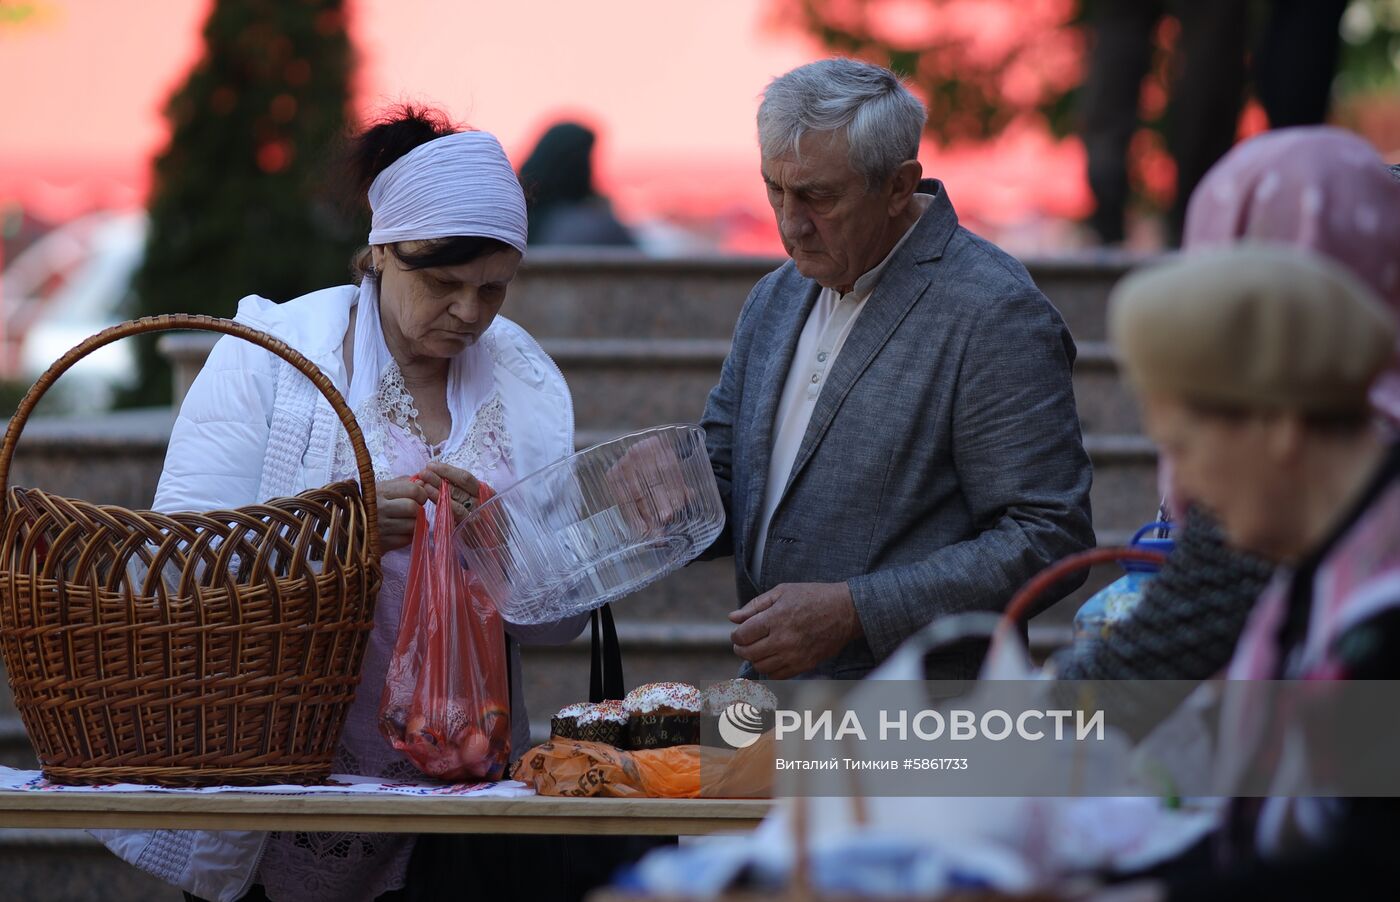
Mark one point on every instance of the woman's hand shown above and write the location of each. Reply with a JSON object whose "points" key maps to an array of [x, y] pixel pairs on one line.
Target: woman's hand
{"points": [[466, 492], [399, 502]]}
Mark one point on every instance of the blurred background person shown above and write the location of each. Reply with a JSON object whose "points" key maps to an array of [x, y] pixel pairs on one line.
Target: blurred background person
{"points": [[1293, 67], [1206, 95], [1295, 60], [564, 206]]}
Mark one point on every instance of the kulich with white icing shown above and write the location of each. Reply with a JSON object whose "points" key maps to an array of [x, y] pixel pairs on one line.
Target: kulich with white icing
{"points": [[722, 695], [574, 710], [663, 698], [609, 711]]}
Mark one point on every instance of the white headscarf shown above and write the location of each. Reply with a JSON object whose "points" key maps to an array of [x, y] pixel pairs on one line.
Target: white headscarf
{"points": [[457, 185]]}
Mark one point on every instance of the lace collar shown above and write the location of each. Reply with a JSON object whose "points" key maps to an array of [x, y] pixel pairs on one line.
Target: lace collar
{"points": [[486, 446]]}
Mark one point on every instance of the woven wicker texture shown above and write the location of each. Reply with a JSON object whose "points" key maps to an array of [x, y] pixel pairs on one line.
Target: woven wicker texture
{"points": [[187, 649]]}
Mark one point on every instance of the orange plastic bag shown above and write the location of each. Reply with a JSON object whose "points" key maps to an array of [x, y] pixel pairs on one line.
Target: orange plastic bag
{"points": [[567, 767], [446, 704]]}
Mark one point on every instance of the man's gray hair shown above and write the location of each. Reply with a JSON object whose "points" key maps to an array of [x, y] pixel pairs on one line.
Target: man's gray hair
{"points": [[882, 119]]}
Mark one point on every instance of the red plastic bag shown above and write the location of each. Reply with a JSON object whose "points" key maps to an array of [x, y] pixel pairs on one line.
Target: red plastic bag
{"points": [[446, 704]]}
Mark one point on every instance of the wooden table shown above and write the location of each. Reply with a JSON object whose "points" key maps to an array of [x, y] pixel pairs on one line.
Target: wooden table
{"points": [[380, 814]]}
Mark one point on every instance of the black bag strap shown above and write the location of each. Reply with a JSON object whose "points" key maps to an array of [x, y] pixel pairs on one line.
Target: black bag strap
{"points": [[605, 673]]}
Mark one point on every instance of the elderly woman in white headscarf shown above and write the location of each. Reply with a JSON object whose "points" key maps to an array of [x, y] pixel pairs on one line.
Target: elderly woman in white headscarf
{"points": [[444, 389]]}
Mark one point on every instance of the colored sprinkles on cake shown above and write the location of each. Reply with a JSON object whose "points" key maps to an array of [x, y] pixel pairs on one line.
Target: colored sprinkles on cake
{"points": [[663, 698], [609, 710]]}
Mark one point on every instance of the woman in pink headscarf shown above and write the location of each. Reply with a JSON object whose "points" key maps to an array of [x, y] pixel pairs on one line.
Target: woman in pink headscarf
{"points": [[1318, 188]]}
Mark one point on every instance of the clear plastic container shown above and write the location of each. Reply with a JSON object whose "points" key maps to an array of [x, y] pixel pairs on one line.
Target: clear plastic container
{"points": [[595, 526]]}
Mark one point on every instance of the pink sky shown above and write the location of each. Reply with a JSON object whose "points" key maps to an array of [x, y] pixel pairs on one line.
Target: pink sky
{"points": [[672, 86], [664, 79]]}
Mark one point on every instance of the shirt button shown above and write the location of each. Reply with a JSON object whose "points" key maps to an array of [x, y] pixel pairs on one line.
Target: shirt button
{"points": [[821, 358], [816, 378]]}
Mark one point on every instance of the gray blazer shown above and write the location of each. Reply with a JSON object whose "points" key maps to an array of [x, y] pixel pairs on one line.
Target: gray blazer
{"points": [[943, 466]]}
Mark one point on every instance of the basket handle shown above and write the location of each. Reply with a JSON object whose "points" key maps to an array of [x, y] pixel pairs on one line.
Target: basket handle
{"points": [[1022, 600], [184, 321]]}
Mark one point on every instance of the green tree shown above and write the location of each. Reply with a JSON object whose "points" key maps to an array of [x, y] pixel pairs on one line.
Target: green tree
{"points": [[979, 65], [13, 13], [241, 201], [1370, 47]]}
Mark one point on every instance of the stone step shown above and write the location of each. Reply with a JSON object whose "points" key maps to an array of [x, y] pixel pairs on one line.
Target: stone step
{"points": [[697, 652], [114, 458], [1105, 403], [61, 864], [15, 750], [625, 295], [619, 383], [1124, 495], [71, 866], [1079, 286], [7, 700]]}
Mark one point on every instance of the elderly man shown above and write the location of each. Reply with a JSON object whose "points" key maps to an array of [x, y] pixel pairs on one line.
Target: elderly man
{"points": [[1253, 366], [894, 431]]}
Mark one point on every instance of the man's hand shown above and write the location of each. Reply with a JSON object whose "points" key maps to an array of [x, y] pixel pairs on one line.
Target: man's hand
{"points": [[648, 484], [795, 627]]}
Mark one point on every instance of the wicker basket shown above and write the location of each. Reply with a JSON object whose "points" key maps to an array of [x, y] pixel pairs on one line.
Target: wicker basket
{"points": [[187, 649]]}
